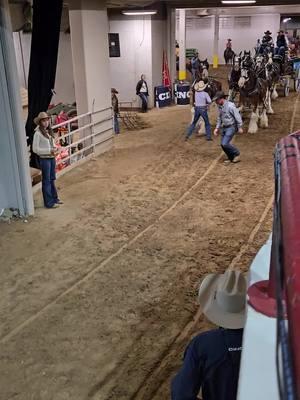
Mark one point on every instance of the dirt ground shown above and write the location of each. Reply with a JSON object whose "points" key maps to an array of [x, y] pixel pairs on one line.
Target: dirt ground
{"points": [[99, 297]]}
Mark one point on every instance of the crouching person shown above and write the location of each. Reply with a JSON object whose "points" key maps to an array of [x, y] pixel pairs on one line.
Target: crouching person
{"points": [[212, 359]]}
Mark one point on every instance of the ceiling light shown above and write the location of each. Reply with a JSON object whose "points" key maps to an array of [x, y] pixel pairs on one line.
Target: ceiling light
{"points": [[286, 20], [139, 12], [238, 1]]}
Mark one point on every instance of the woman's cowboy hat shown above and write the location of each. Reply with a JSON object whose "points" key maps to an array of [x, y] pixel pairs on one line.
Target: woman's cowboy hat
{"points": [[42, 115], [200, 86], [268, 32], [222, 298]]}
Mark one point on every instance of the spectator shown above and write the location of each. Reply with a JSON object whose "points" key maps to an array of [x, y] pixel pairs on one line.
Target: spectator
{"points": [[230, 121], [229, 44], [212, 359], [281, 44], [195, 65], [142, 92], [115, 108], [44, 146]]}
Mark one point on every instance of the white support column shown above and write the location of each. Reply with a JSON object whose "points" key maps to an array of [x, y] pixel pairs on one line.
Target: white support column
{"points": [[15, 181], [216, 40], [182, 58], [89, 41], [171, 37]]}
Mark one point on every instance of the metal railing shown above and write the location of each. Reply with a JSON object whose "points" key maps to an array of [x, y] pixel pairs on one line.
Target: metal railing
{"points": [[79, 142]]}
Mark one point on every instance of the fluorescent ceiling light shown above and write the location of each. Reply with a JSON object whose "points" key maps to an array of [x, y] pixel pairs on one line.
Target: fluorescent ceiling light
{"points": [[238, 1], [139, 12], [286, 20]]}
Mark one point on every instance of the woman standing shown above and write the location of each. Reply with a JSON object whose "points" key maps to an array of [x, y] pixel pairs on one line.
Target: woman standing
{"points": [[44, 146], [142, 91]]}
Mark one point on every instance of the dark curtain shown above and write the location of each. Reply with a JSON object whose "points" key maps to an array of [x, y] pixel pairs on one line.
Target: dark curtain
{"points": [[43, 60]]}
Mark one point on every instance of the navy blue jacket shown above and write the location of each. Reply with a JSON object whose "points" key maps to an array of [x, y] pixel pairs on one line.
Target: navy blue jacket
{"points": [[211, 362]]}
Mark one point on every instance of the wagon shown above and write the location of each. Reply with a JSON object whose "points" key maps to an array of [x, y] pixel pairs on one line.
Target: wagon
{"points": [[291, 72], [284, 84], [296, 73]]}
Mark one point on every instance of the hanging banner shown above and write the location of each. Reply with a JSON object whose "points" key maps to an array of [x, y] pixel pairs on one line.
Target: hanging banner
{"points": [[166, 80]]}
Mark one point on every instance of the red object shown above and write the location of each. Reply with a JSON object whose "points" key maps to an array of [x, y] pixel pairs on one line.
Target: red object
{"points": [[61, 117], [60, 164], [290, 234], [290, 215], [260, 299], [166, 80], [262, 294]]}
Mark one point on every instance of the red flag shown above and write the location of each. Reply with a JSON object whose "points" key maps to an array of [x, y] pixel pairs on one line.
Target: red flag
{"points": [[166, 80]]}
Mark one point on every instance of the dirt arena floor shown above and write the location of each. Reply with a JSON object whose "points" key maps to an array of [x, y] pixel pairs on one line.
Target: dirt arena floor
{"points": [[99, 297]]}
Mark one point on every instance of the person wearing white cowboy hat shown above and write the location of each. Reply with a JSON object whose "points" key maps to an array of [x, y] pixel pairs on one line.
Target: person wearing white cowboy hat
{"points": [[44, 146], [212, 359], [202, 102]]}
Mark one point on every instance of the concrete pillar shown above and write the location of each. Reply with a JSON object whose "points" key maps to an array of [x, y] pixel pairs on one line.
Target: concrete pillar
{"points": [[216, 41], [90, 54], [15, 181], [182, 58], [171, 37]]}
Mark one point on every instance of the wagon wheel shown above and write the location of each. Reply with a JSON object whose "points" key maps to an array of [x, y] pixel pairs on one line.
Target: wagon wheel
{"points": [[297, 80], [286, 88]]}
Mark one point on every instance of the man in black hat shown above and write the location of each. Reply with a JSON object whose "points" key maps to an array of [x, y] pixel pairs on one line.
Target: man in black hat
{"points": [[229, 122], [281, 44], [267, 43]]}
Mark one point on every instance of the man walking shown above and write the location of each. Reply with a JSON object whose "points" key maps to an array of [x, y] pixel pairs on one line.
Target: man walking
{"points": [[202, 102], [212, 359], [230, 122]]}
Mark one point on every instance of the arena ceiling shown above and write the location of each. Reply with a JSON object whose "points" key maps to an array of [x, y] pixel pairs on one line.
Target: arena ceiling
{"points": [[190, 3]]}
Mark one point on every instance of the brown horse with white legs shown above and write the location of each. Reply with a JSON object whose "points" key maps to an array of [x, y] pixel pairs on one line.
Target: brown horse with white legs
{"points": [[254, 91]]}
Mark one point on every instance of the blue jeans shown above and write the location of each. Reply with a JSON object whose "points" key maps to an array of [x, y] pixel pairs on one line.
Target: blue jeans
{"points": [[116, 123], [280, 51], [194, 73], [144, 99], [229, 149], [200, 112], [48, 181]]}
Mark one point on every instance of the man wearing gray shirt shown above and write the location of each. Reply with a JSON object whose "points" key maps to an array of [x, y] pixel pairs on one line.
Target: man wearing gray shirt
{"points": [[202, 102], [230, 121]]}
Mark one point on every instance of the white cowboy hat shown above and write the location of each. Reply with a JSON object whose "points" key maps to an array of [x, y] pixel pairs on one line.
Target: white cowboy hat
{"points": [[200, 86], [42, 115], [222, 298]]}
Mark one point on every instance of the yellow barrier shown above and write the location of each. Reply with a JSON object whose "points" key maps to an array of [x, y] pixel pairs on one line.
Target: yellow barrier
{"points": [[215, 61], [182, 75]]}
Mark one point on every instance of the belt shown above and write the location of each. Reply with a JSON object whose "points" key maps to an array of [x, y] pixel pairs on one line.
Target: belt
{"points": [[228, 126], [46, 157]]}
